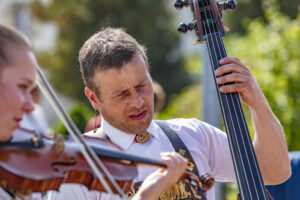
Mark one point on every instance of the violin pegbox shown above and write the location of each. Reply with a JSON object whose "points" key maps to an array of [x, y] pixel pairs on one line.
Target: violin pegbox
{"points": [[207, 16]]}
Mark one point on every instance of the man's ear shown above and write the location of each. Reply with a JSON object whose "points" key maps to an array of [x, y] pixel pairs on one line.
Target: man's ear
{"points": [[92, 98]]}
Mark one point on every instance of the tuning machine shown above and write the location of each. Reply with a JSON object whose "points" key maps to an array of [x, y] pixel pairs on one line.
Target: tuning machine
{"points": [[179, 4], [230, 5], [183, 28]]}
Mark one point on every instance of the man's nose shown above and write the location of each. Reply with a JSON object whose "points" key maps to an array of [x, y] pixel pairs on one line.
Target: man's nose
{"points": [[28, 105], [136, 100]]}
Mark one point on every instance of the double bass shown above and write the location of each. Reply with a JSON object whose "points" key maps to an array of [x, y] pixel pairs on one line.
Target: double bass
{"points": [[209, 29]]}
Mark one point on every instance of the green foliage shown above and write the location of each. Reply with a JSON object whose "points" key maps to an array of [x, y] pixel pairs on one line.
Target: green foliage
{"points": [[187, 104], [80, 114], [272, 52], [231, 190], [193, 65], [253, 9], [148, 21]]}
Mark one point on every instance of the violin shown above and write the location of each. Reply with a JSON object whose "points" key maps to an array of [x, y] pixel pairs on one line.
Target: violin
{"points": [[209, 29], [34, 163]]}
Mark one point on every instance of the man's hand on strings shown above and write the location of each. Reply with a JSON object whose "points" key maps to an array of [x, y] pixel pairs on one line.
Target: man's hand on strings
{"points": [[239, 79]]}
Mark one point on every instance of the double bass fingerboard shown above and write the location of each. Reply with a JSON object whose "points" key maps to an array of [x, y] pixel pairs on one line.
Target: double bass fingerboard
{"points": [[249, 178]]}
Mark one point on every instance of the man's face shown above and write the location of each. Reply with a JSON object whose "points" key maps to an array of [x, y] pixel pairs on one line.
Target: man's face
{"points": [[126, 96], [16, 83]]}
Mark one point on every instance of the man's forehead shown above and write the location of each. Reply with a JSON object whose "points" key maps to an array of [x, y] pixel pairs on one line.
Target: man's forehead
{"points": [[115, 80]]}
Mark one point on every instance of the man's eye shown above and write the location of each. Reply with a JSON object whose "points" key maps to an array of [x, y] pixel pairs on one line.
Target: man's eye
{"points": [[142, 86], [122, 94], [22, 86]]}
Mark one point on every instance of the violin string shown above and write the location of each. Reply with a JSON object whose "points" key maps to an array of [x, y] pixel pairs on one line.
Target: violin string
{"points": [[215, 33], [247, 135], [68, 127], [89, 154]]}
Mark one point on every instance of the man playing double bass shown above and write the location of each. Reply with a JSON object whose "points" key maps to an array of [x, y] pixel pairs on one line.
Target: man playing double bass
{"points": [[116, 73]]}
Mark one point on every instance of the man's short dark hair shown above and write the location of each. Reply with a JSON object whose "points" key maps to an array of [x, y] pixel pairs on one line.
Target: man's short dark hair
{"points": [[10, 36], [109, 48]]}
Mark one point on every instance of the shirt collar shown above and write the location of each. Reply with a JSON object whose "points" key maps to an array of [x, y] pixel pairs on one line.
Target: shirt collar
{"points": [[120, 138]]}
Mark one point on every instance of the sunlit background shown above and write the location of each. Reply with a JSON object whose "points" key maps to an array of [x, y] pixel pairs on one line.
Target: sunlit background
{"points": [[264, 34]]}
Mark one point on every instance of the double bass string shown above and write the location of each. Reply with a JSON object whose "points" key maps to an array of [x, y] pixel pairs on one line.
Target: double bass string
{"points": [[231, 97], [247, 135], [215, 61], [236, 101]]}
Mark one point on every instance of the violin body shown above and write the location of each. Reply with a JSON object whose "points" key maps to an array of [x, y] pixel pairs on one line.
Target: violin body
{"points": [[25, 168], [30, 164]]}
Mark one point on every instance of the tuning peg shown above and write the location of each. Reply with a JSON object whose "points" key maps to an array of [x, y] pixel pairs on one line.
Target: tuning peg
{"points": [[231, 4], [179, 4], [183, 28]]}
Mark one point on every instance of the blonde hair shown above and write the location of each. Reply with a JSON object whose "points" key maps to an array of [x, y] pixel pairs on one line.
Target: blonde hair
{"points": [[10, 36]]}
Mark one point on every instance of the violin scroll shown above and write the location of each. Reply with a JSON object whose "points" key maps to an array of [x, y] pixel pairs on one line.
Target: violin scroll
{"points": [[207, 181], [204, 183]]}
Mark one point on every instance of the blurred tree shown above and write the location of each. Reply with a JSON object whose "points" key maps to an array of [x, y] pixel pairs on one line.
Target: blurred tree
{"points": [[272, 52], [188, 103], [251, 9], [77, 20], [80, 114]]}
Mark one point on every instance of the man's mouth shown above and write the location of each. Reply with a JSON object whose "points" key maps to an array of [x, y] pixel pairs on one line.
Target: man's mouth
{"points": [[138, 116], [18, 120]]}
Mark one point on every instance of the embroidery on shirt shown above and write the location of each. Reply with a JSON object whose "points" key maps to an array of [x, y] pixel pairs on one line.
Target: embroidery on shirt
{"points": [[180, 191], [190, 164], [131, 193]]}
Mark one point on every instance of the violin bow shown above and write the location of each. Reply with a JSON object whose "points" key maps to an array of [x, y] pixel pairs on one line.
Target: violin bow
{"points": [[90, 156]]}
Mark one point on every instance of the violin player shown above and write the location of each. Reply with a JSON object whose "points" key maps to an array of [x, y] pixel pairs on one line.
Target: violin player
{"points": [[17, 78], [115, 70]]}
